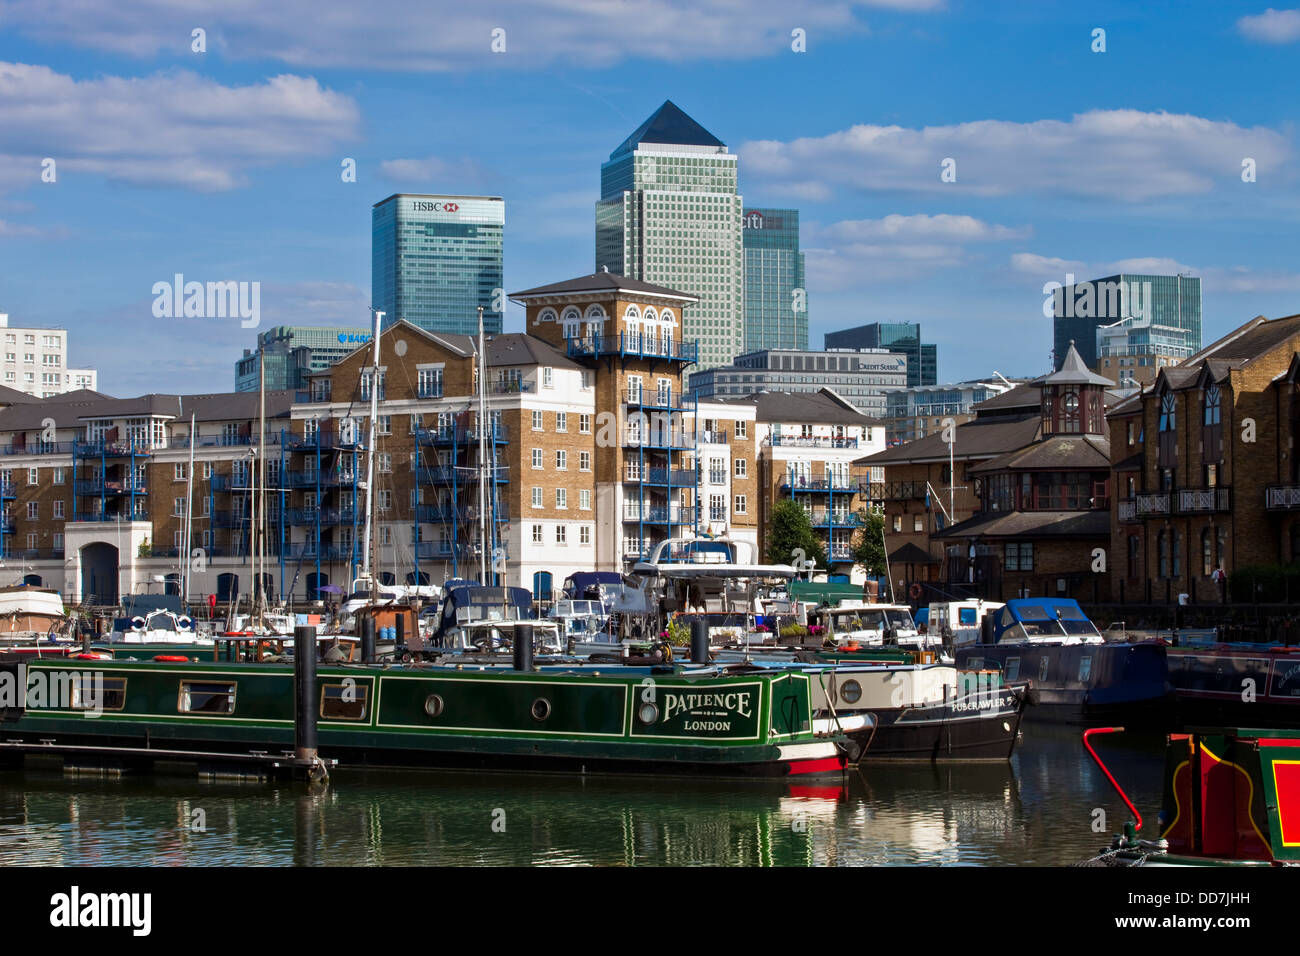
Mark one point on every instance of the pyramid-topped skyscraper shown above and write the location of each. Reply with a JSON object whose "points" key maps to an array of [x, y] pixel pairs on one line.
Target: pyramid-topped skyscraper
{"points": [[669, 213]]}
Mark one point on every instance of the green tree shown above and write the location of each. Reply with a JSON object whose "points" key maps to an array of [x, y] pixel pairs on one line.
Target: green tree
{"points": [[792, 528], [869, 542]]}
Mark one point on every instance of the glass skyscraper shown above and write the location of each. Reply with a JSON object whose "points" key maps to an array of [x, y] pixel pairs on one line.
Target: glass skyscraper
{"points": [[905, 337], [1166, 313], [292, 352], [776, 300], [669, 213], [435, 259]]}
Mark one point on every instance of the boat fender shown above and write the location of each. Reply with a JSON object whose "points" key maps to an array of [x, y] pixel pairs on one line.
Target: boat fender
{"points": [[94, 657], [185, 623], [851, 750], [170, 657], [137, 623]]}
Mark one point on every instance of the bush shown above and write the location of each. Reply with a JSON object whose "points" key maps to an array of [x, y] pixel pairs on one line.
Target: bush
{"points": [[794, 630], [678, 633], [1265, 583]]}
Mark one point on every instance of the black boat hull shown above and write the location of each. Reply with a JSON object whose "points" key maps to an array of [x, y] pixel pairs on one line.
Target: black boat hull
{"points": [[984, 729]]}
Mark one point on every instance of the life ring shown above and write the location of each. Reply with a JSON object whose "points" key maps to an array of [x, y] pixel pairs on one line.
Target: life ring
{"points": [[915, 592], [185, 623], [170, 657], [137, 623], [94, 657]]}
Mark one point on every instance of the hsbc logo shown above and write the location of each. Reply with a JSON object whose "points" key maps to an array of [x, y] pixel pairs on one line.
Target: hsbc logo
{"points": [[423, 205]]}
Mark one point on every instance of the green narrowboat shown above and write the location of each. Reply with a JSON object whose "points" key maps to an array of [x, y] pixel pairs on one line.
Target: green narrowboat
{"points": [[588, 719]]}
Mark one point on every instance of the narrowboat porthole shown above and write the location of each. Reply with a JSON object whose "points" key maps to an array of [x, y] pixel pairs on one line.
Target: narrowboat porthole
{"points": [[1085, 669], [541, 708], [433, 705], [648, 713], [1013, 668], [851, 692], [1042, 668]]}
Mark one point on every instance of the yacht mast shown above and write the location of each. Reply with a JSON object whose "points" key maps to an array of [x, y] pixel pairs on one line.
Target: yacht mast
{"points": [[370, 455], [259, 570], [189, 523], [482, 452]]}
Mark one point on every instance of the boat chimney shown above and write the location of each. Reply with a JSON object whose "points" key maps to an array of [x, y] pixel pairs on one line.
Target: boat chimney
{"points": [[523, 647], [699, 641], [304, 693], [368, 639]]}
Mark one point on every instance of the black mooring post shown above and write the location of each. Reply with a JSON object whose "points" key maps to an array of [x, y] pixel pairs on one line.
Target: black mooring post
{"points": [[368, 639], [399, 643], [523, 649], [304, 692], [699, 641]]}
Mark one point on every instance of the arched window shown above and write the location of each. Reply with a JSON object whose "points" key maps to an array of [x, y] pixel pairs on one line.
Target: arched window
{"points": [[546, 315], [650, 315], [421, 578], [667, 316]]}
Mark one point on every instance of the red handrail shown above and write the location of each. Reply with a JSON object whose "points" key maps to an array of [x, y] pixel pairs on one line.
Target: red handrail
{"points": [[1113, 782]]}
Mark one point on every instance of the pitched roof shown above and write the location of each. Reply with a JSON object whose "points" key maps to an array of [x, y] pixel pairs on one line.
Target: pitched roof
{"points": [[1248, 341], [216, 407], [823, 407], [911, 553], [604, 281], [670, 125], [519, 348], [1032, 524], [1074, 372], [1027, 396], [11, 396], [975, 439], [1057, 452]]}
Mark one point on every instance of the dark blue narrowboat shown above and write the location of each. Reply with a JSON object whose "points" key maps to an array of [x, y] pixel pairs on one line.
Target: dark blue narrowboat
{"points": [[1072, 673]]}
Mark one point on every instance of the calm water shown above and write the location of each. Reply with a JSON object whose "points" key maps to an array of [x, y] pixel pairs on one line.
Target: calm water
{"points": [[1037, 809]]}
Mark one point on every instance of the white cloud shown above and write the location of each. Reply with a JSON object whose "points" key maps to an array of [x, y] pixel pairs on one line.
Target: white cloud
{"points": [[1047, 266], [171, 129], [1272, 26], [399, 35], [1214, 279], [941, 226], [1126, 155], [451, 175]]}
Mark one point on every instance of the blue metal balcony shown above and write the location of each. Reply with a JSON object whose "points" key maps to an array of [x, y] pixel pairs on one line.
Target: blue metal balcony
{"points": [[655, 398], [98, 486], [658, 514], [462, 474], [633, 345], [115, 449], [40, 448], [676, 477], [796, 482], [6, 490], [458, 435]]}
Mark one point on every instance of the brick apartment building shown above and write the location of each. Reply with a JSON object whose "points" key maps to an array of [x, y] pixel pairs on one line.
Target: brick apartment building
{"points": [[595, 455], [1205, 467]]}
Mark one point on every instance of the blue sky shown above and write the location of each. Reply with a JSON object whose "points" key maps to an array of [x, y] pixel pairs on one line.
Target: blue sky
{"points": [[225, 165]]}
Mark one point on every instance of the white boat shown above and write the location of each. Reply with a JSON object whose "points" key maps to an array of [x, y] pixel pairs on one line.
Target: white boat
{"points": [[872, 625], [160, 626], [28, 612]]}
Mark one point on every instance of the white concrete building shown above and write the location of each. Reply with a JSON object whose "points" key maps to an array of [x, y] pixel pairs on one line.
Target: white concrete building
{"points": [[35, 361]]}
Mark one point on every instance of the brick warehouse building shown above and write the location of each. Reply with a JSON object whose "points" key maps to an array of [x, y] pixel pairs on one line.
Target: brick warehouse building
{"points": [[1030, 491], [1193, 492], [599, 456]]}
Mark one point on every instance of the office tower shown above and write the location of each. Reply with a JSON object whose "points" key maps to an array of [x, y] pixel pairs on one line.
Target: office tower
{"points": [[669, 214], [1165, 313], [905, 337], [436, 259], [776, 300]]}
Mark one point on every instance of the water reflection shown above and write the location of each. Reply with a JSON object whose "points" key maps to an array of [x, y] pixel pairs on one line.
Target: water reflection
{"points": [[1038, 809]]}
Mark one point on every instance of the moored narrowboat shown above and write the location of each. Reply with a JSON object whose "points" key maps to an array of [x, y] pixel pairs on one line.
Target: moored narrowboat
{"points": [[586, 719]]}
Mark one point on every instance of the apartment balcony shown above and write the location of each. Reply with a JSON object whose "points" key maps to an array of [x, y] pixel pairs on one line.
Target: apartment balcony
{"points": [[1157, 503], [309, 551], [7, 490], [712, 438], [460, 474], [654, 398], [674, 477], [40, 448], [1282, 497], [798, 482], [459, 435], [239, 441], [811, 441], [98, 486], [632, 345], [229, 519], [434, 550], [894, 490], [110, 516], [7, 525], [1128, 510], [659, 514], [113, 449], [833, 519], [1204, 500], [659, 439], [839, 553], [505, 387]]}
